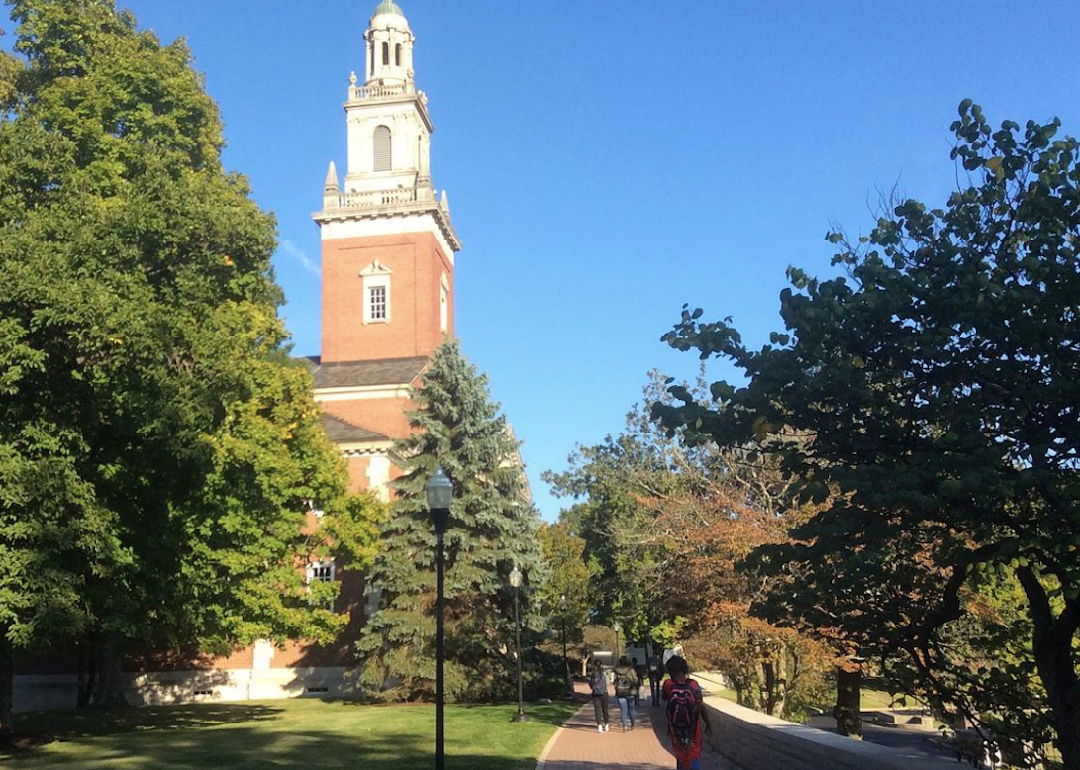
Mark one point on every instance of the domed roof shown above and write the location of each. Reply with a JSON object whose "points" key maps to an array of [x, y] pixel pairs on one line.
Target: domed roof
{"points": [[388, 6]]}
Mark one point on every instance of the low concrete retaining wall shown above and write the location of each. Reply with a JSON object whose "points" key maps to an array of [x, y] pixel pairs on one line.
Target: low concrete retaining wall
{"points": [[52, 693], [755, 741]]}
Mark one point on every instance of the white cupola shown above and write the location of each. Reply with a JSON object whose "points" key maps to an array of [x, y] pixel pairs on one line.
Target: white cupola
{"points": [[387, 136], [389, 46]]}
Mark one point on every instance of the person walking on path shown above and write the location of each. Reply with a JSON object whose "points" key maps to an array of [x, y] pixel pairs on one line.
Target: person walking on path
{"points": [[655, 668], [626, 685], [685, 712], [639, 669], [598, 687]]}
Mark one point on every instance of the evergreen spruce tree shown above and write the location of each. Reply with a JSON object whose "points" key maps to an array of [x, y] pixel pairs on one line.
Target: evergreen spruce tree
{"points": [[492, 527]]}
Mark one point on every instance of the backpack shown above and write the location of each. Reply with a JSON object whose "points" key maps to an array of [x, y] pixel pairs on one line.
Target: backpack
{"points": [[624, 683], [654, 665], [682, 712], [598, 682]]}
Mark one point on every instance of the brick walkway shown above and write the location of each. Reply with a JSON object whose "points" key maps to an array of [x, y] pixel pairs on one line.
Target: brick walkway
{"points": [[578, 746]]}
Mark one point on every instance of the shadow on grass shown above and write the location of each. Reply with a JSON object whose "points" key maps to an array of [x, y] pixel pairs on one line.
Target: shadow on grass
{"points": [[249, 749], [548, 713], [309, 735], [71, 724]]}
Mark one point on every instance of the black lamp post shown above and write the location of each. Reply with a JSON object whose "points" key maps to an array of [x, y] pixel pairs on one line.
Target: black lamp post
{"points": [[515, 581], [440, 491]]}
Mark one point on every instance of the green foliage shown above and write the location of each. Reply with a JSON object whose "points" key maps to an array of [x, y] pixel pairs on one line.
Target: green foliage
{"points": [[492, 527], [564, 596], [928, 401], [667, 633], [614, 486], [157, 446]]}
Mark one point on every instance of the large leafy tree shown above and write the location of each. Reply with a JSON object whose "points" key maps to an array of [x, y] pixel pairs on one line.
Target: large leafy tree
{"points": [[492, 527], [157, 447], [610, 484], [564, 597], [665, 524], [933, 393]]}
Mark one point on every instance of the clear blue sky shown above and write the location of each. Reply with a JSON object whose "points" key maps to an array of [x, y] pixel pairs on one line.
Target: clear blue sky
{"points": [[607, 161]]}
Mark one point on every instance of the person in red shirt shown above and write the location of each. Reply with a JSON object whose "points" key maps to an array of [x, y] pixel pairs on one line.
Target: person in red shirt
{"points": [[686, 713]]}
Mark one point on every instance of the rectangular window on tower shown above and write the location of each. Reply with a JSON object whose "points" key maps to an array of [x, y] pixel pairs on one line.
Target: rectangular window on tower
{"points": [[444, 309], [377, 303], [376, 293]]}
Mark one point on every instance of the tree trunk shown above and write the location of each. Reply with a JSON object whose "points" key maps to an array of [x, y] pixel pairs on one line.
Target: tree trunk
{"points": [[848, 695], [110, 685], [87, 674], [1053, 659], [761, 686], [7, 683], [779, 698], [1052, 647]]}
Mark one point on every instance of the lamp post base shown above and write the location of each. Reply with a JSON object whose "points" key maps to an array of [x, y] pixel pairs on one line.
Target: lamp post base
{"points": [[520, 717]]}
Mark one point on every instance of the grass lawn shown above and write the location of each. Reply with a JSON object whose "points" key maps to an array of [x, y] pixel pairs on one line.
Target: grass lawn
{"points": [[305, 733]]}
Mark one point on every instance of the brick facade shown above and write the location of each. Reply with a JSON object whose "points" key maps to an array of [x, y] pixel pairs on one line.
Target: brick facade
{"points": [[418, 271]]}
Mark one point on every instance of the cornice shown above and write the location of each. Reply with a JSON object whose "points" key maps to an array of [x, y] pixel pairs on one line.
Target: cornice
{"points": [[390, 211]]}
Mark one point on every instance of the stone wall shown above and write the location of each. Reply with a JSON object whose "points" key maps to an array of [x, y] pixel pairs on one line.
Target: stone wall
{"points": [[754, 740]]}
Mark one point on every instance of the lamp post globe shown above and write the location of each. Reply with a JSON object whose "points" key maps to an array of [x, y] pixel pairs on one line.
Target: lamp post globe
{"points": [[515, 582], [440, 493]]}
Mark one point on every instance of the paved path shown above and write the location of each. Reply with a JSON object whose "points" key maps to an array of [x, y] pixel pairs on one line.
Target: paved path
{"points": [[578, 746]]}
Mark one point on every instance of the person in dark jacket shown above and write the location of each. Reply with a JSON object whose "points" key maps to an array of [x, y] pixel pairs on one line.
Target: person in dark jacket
{"points": [[598, 686], [639, 669], [654, 666], [626, 684]]}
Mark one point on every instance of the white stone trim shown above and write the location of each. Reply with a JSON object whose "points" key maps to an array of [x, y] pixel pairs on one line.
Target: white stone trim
{"points": [[378, 474], [366, 448], [339, 228], [375, 276], [361, 392]]}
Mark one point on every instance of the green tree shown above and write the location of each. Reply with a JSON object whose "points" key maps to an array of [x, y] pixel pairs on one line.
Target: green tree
{"points": [[564, 596], [613, 485], [157, 446], [666, 524], [933, 392], [492, 527]]}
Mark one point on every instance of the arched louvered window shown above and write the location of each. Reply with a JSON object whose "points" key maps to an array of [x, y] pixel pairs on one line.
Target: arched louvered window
{"points": [[397, 55], [385, 53], [382, 149]]}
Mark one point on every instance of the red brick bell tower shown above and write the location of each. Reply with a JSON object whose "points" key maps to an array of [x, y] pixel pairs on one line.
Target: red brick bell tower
{"points": [[388, 250]]}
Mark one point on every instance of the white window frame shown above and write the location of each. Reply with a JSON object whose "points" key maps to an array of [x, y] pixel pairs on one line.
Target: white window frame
{"points": [[377, 300], [322, 571], [375, 276], [326, 571]]}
